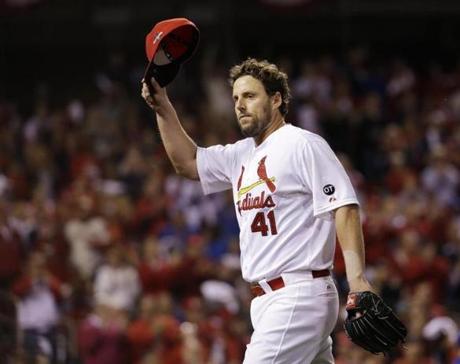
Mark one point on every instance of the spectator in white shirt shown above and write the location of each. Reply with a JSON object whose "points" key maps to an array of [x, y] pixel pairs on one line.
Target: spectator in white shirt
{"points": [[116, 283], [86, 233]]}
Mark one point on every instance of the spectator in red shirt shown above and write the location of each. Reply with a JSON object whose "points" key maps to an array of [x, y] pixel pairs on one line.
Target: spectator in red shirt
{"points": [[102, 338]]}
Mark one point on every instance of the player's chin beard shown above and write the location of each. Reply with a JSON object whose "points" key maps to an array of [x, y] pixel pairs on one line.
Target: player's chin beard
{"points": [[257, 127], [254, 129]]}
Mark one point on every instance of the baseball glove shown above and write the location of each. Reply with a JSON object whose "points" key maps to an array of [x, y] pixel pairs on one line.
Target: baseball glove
{"points": [[371, 324]]}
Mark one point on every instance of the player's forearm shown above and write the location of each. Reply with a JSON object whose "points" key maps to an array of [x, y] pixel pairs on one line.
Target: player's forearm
{"points": [[181, 149], [349, 233], [179, 146]]}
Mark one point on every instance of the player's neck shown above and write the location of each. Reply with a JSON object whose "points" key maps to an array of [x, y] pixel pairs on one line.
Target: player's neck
{"points": [[276, 123]]}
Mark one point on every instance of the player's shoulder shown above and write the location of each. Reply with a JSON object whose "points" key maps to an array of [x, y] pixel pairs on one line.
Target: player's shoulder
{"points": [[242, 145], [303, 137], [237, 146]]}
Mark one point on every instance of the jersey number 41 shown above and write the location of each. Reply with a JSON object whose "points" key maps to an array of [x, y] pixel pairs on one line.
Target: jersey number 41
{"points": [[259, 224]]}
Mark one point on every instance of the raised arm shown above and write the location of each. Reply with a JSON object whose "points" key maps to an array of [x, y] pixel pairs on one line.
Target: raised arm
{"points": [[181, 149], [349, 232]]}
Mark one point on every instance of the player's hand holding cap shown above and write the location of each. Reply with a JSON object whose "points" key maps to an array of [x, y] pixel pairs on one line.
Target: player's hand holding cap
{"points": [[169, 44]]}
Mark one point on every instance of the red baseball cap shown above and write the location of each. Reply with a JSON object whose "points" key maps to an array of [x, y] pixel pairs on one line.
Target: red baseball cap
{"points": [[170, 43]]}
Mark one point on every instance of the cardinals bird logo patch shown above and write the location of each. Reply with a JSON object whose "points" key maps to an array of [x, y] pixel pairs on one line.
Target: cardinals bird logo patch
{"points": [[262, 173], [263, 178]]}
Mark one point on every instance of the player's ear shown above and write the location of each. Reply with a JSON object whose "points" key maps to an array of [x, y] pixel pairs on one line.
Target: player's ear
{"points": [[276, 100]]}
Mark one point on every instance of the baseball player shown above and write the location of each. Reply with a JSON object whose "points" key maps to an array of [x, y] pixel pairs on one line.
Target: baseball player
{"points": [[292, 197]]}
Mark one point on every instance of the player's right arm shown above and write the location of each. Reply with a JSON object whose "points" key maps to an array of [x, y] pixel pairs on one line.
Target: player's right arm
{"points": [[181, 149]]}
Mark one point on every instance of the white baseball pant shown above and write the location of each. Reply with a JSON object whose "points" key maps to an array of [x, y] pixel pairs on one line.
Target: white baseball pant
{"points": [[292, 325]]}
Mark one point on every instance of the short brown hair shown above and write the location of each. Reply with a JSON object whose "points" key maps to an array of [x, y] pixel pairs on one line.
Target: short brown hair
{"points": [[273, 79]]}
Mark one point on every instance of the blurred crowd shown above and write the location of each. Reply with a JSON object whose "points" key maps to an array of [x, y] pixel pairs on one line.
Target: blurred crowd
{"points": [[109, 257]]}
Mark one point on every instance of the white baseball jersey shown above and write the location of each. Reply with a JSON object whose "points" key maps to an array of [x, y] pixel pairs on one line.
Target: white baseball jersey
{"points": [[284, 192]]}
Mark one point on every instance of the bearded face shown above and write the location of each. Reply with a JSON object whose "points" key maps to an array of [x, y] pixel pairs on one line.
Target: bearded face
{"points": [[253, 106]]}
